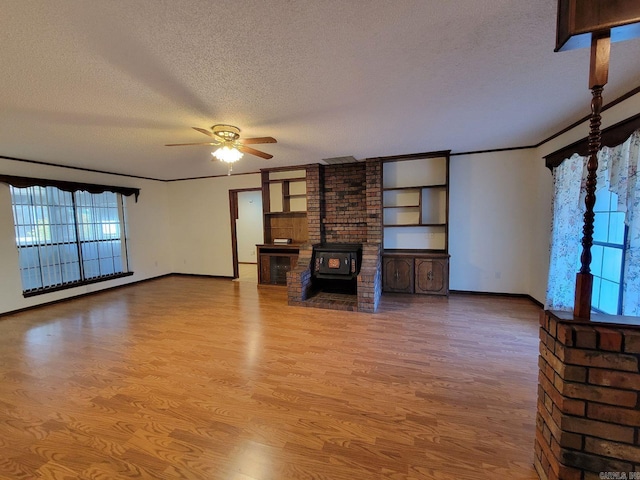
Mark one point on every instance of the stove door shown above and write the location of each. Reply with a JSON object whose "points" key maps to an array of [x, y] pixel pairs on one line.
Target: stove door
{"points": [[333, 263]]}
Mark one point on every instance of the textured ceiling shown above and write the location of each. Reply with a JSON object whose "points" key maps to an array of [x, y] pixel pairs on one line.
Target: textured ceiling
{"points": [[104, 85]]}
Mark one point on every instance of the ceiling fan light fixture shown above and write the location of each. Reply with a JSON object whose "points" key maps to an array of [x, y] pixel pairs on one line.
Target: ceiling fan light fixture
{"points": [[231, 148], [226, 133], [227, 154]]}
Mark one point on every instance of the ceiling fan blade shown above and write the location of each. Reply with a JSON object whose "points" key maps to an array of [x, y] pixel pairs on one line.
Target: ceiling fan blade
{"points": [[204, 130], [251, 141], [253, 151], [184, 144]]}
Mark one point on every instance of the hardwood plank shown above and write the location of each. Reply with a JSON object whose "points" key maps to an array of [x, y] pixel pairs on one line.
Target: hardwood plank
{"points": [[200, 378]]}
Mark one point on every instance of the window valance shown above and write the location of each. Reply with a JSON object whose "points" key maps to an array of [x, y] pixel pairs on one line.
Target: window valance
{"points": [[23, 182], [611, 137]]}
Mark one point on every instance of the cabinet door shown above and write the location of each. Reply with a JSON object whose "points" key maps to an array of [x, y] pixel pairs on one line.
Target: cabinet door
{"points": [[397, 275], [432, 276], [265, 269]]}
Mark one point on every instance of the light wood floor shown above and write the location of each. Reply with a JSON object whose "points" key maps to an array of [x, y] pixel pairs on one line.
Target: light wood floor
{"points": [[247, 272], [200, 378]]}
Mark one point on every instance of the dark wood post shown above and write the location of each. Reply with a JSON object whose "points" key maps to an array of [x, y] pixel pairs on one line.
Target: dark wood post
{"points": [[598, 77]]}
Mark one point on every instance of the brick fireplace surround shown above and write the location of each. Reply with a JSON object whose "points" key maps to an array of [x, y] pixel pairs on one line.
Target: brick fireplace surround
{"points": [[343, 206], [588, 414]]}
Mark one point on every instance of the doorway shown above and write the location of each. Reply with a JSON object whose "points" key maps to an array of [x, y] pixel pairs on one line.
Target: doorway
{"points": [[246, 231]]}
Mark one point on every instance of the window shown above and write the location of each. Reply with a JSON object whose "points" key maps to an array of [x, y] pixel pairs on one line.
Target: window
{"points": [[66, 239], [607, 253], [616, 248]]}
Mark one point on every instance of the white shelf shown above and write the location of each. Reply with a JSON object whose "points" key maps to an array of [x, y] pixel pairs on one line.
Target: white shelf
{"points": [[401, 198], [415, 173], [401, 216], [434, 205], [415, 238], [415, 203]]}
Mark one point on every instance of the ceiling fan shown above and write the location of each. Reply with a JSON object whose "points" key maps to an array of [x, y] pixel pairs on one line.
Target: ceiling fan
{"points": [[227, 137]]}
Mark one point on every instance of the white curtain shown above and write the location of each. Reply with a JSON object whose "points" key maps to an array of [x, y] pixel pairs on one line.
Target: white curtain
{"points": [[622, 175], [566, 232], [618, 170]]}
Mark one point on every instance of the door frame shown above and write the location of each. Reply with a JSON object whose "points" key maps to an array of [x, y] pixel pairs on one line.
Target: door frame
{"points": [[233, 211]]}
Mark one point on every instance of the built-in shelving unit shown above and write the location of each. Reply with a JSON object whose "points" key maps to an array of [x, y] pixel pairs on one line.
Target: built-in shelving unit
{"points": [[415, 223], [284, 203]]}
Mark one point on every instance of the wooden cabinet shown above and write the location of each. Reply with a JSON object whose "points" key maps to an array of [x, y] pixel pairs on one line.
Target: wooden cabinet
{"points": [[397, 274], [274, 261], [416, 272], [432, 275]]}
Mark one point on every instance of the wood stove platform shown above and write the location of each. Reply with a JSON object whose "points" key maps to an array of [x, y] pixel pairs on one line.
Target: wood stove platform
{"points": [[333, 301]]}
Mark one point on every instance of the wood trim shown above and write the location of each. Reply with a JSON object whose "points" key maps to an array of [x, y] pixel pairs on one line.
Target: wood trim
{"points": [[448, 220], [80, 283], [23, 182], [497, 294], [207, 176], [584, 119], [611, 137], [412, 156], [494, 150], [82, 169], [106, 172], [289, 167], [199, 275], [233, 216]]}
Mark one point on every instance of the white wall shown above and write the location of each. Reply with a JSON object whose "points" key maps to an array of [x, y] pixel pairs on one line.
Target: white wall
{"points": [[249, 228], [542, 185], [201, 223], [490, 211], [148, 235]]}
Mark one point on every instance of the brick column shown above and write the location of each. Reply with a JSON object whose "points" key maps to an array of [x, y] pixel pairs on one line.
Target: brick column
{"points": [[299, 278], [588, 415], [314, 203], [374, 201], [369, 278]]}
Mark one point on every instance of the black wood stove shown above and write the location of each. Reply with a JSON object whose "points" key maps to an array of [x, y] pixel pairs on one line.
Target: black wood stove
{"points": [[336, 266]]}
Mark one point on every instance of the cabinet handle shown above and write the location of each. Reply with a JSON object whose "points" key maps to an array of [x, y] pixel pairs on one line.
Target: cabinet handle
{"points": [[397, 274], [429, 275]]}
